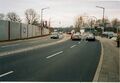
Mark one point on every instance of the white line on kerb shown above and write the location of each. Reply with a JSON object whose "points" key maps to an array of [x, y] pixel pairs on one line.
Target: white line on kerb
{"points": [[72, 46], [54, 54], [6, 73], [10, 45]]}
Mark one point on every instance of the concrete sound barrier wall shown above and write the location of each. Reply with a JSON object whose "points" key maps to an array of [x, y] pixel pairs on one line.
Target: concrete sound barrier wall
{"points": [[3, 30], [24, 31], [15, 30]]}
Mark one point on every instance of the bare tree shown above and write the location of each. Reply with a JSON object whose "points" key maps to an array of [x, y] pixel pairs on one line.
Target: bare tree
{"points": [[2, 16], [79, 23], [31, 16], [12, 16], [115, 23], [99, 22]]}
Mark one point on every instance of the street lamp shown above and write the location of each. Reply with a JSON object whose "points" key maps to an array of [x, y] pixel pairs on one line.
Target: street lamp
{"points": [[42, 14], [42, 17], [103, 15]]}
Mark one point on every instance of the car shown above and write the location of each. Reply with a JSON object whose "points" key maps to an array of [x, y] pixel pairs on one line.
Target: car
{"points": [[76, 36], [110, 34], [90, 36], [54, 35]]}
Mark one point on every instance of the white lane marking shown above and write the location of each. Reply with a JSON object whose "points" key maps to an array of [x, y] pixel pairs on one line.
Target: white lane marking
{"points": [[34, 47], [54, 54], [6, 73], [10, 45], [72, 46]]}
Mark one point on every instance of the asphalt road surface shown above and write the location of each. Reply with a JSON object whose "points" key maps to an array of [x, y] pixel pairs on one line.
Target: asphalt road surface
{"points": [[69, 61], [26, 43]]}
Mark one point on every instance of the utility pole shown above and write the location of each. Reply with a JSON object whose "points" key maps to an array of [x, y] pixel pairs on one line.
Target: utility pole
{"points": [[103, 16]]}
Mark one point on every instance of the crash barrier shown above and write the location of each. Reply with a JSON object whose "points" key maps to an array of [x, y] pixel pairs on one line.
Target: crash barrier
{"points": [[13, 30]]}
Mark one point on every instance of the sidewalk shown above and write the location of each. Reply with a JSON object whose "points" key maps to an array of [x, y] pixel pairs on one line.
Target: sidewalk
{"points": [[110, 69]]}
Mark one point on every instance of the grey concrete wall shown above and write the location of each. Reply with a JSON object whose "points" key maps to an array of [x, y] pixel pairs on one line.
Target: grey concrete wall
{"points": [[38, 31], [24, 31], [34, 31], [30, 31], [19, 30], [45, 31], [3, 30], [14, 30]]}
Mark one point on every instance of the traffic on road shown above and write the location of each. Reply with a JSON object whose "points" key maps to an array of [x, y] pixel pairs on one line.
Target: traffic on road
{"points": [[65, 61]]}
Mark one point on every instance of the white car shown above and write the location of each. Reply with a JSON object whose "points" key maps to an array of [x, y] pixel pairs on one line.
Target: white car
{"points": [[76, 36], [54, 35], [90, 36]]}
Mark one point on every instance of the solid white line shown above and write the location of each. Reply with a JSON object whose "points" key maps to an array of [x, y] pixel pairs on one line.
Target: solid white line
{"points": [[72, 46], [6, 73], [10, 45], [54, 54], [66, 37], [97, 73]]}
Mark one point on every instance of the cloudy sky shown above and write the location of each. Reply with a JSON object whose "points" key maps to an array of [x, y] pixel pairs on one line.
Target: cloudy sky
{"points": [[63, 12]]}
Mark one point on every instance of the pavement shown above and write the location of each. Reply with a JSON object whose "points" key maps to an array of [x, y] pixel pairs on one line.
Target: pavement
{"points": [[59, 61], [110, 67]]}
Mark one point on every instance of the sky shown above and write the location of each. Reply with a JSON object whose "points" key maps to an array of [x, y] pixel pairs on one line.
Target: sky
{"points": [[63, 13]]}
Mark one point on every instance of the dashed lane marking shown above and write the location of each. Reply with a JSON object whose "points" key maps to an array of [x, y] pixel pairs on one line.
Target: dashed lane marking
{"points": [[2, 75], [54, 54], [73, 46]]}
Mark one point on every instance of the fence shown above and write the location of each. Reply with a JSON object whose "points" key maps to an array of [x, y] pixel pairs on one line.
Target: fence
{"points": [[12, 31]]}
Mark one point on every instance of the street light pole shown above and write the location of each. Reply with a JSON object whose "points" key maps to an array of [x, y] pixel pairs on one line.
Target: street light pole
{"points": [[42, 14], [103, 15], [42, 17]]}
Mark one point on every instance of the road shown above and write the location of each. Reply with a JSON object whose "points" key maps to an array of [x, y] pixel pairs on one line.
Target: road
{"points": [[24, 44], [67, 61]]}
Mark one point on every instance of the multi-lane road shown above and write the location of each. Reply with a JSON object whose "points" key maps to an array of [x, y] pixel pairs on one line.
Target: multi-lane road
{"points": [[64, 61]]}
